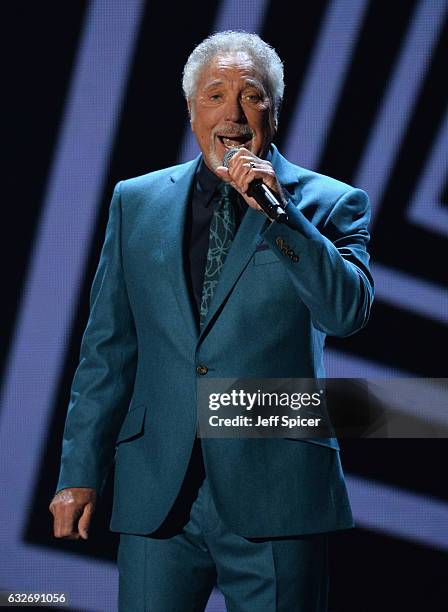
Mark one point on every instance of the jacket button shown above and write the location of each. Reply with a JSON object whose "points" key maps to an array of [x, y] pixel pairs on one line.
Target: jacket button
{"points": [[202, 370], [295, 258]]}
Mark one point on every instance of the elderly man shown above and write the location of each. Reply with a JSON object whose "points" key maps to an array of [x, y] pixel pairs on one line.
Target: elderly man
{"points": [[195, 280]]}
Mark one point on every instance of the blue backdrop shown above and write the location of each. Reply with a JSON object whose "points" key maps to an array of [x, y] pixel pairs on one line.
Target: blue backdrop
{"points": [[95, 97]]}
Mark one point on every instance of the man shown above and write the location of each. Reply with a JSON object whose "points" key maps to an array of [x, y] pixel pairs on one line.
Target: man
{"points": [[196, 281]]}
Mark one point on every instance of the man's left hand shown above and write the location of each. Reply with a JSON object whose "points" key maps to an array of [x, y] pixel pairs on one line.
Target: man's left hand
{"points": [[243, 168]]}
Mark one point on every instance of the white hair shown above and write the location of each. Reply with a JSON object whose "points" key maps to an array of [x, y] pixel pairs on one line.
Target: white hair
{"points": [[264, 56]]}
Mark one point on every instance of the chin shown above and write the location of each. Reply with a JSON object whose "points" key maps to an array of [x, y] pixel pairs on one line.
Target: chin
{"points": [[213, 160]]}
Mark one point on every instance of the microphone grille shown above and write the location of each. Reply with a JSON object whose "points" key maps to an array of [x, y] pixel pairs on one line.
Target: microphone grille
{"points": [[228, 156]]}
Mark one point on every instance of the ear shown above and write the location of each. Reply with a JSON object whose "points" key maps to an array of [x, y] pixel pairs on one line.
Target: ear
{"points": [[273, 124], [190, 110], [276, 114]]}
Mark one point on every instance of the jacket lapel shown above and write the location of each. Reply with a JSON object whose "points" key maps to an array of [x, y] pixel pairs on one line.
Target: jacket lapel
{"points": [[172, 200], [246, 240], [173, 203], [241, 251]]}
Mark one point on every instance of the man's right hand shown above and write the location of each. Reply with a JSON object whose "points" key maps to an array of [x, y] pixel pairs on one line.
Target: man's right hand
{"points": [[72, 510]]}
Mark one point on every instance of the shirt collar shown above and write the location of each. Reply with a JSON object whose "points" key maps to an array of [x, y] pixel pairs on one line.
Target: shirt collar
{"points": [[206, 182]]}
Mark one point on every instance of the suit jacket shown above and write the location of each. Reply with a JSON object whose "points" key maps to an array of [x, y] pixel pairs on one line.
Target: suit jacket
{"points": [[133, 397]]}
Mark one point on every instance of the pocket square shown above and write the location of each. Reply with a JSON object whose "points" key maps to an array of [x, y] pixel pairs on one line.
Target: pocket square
{"points": [[263, 246]]}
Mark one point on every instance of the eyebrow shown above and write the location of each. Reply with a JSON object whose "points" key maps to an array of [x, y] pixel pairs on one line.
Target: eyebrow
{"points": [[248, 83], [213, 84], [255, 83]]}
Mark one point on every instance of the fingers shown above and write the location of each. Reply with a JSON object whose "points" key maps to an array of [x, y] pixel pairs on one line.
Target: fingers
{"points": [[72, 510], [65, 517], [84, 521], [244, 167], [223, 173], [249, 173]]}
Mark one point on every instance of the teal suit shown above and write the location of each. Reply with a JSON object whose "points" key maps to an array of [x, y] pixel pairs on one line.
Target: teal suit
{"points": [[133, 396]]}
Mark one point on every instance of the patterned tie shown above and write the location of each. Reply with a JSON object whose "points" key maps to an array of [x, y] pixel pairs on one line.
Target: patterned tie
{"points": [[221, 233]]}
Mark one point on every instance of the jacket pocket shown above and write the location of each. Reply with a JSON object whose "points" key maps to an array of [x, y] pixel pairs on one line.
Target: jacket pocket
{"points": [[264, 257], [328, 442], [132, 424]]}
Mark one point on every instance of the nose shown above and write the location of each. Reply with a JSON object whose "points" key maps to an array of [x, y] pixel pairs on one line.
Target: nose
{"points": [[234, 111]]}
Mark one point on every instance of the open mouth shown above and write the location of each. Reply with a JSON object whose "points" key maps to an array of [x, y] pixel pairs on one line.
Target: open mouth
{"points": [[230, 142]]}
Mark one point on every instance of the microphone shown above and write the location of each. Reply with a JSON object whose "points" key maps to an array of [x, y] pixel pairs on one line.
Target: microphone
{"points": [[264, 197]]}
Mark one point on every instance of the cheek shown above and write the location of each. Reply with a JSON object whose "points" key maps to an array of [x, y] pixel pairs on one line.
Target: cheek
{"points": [[268, 127], [259, 120], [203, 131], [268, 119], [206, 120]]}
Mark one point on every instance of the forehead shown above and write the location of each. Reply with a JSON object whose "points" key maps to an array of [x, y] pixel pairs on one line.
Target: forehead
{"points": [[225, 67]]}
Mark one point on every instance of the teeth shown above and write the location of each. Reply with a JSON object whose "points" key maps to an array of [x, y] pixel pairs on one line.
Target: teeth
{"points": [[230, 144]]}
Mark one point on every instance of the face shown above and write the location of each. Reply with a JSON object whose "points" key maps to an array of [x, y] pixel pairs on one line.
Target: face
{"points": [[231, 108]]}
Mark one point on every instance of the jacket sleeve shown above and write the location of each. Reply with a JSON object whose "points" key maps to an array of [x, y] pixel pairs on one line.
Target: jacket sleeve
{"points": [[103, 382], [329, 264]]}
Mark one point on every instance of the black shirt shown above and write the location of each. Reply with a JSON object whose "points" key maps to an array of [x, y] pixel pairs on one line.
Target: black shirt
{"points": [[202, 203]]}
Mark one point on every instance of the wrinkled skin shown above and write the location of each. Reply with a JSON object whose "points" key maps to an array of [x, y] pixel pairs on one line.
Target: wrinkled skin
{"points": [[72, 510], [232, 108]]}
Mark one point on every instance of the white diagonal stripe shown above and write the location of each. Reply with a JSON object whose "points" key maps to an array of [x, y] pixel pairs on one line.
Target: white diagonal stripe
{"points": [[324, 79], [50, 296], [399, 513], [411, 293], [399, 100]]}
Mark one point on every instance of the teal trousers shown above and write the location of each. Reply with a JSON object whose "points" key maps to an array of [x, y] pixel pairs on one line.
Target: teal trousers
{"points": [[176, 568]]}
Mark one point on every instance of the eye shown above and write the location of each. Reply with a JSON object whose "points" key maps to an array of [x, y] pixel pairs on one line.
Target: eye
{"points": [[215, 96], [254, 97]]}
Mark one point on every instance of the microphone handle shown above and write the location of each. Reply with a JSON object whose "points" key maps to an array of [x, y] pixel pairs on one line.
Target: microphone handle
{"points": [[267, 200]]}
